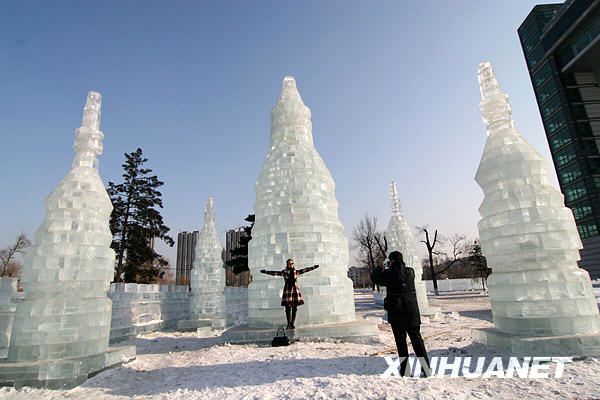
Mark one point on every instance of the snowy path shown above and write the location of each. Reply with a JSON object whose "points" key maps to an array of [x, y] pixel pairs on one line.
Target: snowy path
{"points": [[180, 366]]}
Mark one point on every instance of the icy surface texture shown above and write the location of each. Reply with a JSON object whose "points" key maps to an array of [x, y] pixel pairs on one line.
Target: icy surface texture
{"points": [[66, 312], [527, 234], [207, 300], [400, 238], [8, 290], [297, 217]]}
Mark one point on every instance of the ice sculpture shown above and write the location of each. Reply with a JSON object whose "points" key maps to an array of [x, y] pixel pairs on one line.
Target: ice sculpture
{"points": [[66, 313], [296, 217], [529, 238], [207, 299], [8, 290], [400, 238]]}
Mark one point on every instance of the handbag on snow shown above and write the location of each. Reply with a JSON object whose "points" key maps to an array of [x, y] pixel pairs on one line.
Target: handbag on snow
{"points": [[280, 338]]}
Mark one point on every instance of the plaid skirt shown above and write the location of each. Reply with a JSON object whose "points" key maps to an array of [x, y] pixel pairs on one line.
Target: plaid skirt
{"points": [[291, 293]]}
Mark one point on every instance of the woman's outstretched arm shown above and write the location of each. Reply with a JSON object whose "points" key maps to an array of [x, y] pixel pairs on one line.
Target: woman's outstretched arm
{"points": [[307, 269], [274, 273]]}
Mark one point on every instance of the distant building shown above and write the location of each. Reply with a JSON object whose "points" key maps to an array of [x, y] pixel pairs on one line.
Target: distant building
{"points": [[232, 242], [561, 44], [361, 277], [186, 243]]}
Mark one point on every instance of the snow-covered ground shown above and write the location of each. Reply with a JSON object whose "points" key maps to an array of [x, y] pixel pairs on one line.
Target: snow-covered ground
{"points": [[180, 366]]}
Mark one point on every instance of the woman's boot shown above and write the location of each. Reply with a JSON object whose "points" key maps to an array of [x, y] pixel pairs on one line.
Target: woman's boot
{"points": [[288, 317], [294, 309]]}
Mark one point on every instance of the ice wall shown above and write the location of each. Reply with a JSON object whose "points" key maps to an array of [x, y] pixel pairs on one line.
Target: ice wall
{"points": [[66, 312], [297, 217], [207, 299], [400, 238], [527, 234]]}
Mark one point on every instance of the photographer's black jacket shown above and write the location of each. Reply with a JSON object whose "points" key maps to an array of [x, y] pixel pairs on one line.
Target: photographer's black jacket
{"points": [[401, 298]]}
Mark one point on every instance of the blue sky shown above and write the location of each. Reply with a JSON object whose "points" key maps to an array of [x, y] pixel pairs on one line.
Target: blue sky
{"points": [[392, 86]]}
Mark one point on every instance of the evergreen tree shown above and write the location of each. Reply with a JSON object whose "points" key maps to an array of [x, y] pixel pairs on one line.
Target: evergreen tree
{"points": [[135, 222], [239, 256], [479, 262]]}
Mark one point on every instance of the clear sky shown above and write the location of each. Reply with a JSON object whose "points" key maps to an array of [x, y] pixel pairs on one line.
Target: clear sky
{"points": [[392, 86]]}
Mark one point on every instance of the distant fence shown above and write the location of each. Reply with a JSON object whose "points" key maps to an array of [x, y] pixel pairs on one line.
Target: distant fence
{"points": [[455, 285], [444, 285]]}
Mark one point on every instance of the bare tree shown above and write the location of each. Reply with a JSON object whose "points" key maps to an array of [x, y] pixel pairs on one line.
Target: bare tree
{"points": [[8, 265], [12, 269], [382, 247], [424, 230], [457, 248], [371, 244]]}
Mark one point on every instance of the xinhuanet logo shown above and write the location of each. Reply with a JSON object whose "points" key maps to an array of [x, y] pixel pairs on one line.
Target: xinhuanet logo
{"points": [[478, 367]]}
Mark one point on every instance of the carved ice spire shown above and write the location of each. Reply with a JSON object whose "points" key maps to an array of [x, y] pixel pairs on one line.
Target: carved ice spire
{"points": [[66, 312], [208, 247], [290, 118], [496, 114], [528, 236], [494, 105], [400, 238], [395, 200], [296, 214], [88, 138], [209, 218], [208, 276], [91, 111], [289, 92]]}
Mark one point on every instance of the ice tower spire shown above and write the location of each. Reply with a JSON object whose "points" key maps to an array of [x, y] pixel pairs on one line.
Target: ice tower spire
{"points": [[209, 218], [541, 301], [88, 138], [91, 111], [207, 299], [400, 238], [63, 324], [395, 201], [289, 92], [297, 217], [290, 118], [495, 107]]}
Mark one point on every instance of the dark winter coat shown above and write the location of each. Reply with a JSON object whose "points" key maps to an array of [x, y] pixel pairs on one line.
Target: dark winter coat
{"points": [[401, 299], [291, 292]]}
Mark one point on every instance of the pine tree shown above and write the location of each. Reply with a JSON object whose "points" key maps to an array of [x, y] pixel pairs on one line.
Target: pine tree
{"points": [[479, 262], [136, 223], [239, 256]]}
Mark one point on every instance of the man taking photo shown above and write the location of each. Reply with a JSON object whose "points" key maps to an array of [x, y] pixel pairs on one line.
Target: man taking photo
{"points": [[403, 309]]}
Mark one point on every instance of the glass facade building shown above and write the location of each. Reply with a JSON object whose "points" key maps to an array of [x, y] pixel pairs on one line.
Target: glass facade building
{"points": [[561, 44]]}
